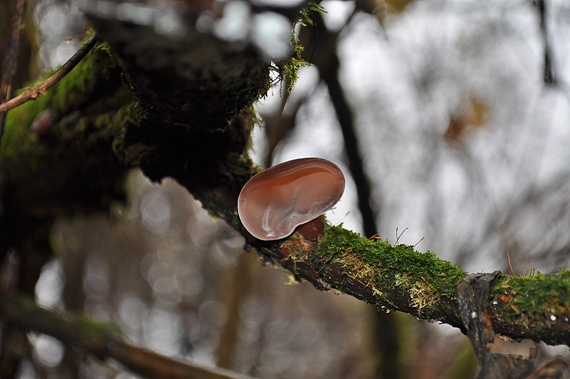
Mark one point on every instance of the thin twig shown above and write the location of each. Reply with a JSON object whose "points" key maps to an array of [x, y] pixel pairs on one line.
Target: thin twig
{"points": [[522, 264], [40, 89], [417, 243], [549, 71], [510, 264], [10, 63], [398, 236]]}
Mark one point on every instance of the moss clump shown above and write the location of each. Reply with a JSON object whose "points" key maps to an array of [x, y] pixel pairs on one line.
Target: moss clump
{"points": [[21, 144], [389, 259], [538, 301], [418, 280], [399, 278], [289, 66]]}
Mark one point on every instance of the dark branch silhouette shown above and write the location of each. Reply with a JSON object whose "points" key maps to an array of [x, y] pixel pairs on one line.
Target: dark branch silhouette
{"points": [[11, 57], [103, 341]]}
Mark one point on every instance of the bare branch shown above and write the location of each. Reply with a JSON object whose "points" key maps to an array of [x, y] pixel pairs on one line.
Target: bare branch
{"points": [[103, 341], [40, 89]]}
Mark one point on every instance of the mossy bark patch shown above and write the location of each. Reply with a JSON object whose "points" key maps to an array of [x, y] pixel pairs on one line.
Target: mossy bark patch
{"points": [[528, 306], [397, 277], [400, 278]]}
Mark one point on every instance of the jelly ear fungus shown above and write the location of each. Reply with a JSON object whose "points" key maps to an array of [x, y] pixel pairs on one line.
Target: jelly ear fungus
{"points": [[276, 201]]}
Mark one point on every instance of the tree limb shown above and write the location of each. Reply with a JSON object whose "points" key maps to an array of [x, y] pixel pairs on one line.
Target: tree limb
{"points": [[398, 278], [103, 341]]}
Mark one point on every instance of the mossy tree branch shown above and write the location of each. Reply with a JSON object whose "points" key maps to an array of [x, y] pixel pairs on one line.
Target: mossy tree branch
{"points": [[104, 341], [193, 124], [420, 284]]}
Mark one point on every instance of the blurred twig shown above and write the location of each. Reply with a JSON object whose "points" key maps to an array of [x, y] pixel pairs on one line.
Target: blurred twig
{"points": [[549, 71], [102, 340], [10, 62], [33, 93], [279, 124], [326, 60], [31, 252]]}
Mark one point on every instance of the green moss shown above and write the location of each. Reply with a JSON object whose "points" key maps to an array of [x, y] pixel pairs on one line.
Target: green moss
{"points": [[95, 332], [70, 328], [289, 66], [21, 144], [421, 278], [17, 139], [381, 254], [103, 46], [312, 6], [397, 277], [538, 301], [400, 277]]}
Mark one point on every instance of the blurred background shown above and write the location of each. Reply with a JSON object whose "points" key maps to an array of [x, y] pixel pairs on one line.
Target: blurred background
{"points": [[451, 121]]}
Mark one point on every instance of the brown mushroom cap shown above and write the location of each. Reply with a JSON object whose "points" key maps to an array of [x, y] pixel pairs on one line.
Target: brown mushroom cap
{"points": [[275, 201]]}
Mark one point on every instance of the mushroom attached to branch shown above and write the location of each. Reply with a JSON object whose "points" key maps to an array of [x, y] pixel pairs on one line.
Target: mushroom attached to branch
{"points": [[276, 201]]}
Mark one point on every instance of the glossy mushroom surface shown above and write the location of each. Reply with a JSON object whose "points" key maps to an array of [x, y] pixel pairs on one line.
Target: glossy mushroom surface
{"points": [[275, 201]]}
